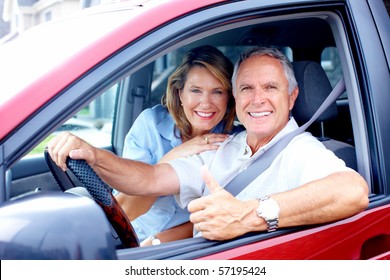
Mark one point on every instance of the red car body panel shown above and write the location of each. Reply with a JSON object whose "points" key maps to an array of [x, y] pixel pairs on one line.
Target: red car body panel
{"points": [[363, 236], [39, 92], [338, 240]]}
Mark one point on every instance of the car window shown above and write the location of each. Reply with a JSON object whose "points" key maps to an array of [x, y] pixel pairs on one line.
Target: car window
{"points": [[165, 65], [93, 123], [330, 62], [387, 5]]}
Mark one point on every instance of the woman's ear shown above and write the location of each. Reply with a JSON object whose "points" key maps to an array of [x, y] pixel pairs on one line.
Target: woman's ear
{"points": [[179, 93]]}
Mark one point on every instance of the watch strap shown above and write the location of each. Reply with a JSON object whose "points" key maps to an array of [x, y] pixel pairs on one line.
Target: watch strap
{"points": [[272, 224]]}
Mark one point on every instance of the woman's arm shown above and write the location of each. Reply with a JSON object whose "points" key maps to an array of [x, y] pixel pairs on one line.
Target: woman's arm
{"points": [[179, 232]]}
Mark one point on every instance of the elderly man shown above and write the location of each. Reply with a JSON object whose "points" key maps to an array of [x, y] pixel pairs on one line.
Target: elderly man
{"points": [[305, 184]]}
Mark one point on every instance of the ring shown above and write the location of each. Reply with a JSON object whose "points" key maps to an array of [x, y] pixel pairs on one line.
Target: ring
{"points": [[199, 227], [207, 140]]}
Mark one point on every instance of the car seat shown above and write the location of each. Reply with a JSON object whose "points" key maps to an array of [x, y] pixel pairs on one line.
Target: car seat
{"points": [[314, 87]]}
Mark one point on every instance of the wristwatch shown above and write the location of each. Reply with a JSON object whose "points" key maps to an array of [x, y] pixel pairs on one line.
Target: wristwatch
{"points": [[155, 240], [269, 210]]}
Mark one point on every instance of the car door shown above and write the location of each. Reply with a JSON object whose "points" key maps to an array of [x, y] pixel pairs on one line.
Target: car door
{"points": [[366, 235], [243, 24]]}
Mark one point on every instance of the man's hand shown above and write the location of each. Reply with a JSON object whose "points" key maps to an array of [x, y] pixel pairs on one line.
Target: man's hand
{"points": [[66, 144], [220, 216]]}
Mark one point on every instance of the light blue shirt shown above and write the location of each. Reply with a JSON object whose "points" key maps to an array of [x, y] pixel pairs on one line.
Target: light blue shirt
{"points": [[152, 135]]}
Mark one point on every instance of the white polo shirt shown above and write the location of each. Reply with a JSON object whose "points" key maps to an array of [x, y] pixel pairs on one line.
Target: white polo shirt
{"points": [[303, 160]]}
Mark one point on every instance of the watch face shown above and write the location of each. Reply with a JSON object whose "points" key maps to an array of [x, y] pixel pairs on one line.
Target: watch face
{"points": [[156, 242], [269, 209]]}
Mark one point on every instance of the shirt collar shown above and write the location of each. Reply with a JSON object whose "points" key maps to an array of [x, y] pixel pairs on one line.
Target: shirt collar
{"points": [[246, 150], [168, 130]]}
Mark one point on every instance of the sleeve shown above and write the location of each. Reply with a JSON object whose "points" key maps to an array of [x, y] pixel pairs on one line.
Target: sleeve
{"points": [[191, 183], [315, 160]]}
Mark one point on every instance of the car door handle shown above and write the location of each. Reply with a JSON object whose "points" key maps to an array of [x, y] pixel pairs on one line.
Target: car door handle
{"points": [[376, 248]]}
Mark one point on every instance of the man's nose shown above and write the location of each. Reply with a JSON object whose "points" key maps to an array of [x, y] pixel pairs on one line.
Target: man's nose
{"points": [[258, 96]]}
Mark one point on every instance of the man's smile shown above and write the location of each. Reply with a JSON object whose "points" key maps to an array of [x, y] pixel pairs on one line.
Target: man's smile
{"points": [[259, 114]]}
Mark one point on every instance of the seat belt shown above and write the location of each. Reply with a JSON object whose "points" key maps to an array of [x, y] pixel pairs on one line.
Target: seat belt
{"points": [[139, 97], [244, 178]]}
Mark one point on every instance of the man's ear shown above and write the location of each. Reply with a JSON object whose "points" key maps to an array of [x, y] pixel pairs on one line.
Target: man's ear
{"points": [[293, 96]]}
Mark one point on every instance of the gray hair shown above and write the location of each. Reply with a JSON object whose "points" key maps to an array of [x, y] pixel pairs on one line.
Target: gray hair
{"points": [[272, 52]]}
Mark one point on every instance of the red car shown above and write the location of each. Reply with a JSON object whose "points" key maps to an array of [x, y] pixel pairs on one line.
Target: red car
{"points": [[93, 73]]}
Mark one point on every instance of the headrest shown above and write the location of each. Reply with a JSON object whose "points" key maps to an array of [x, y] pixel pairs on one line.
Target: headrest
{"points": [[314, 87]]}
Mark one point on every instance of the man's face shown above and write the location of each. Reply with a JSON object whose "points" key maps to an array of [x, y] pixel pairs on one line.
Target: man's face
{"points": [[262, 99]]}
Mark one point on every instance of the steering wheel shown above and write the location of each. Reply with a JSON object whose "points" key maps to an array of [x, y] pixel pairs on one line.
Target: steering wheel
{"points": [[100, 192]]}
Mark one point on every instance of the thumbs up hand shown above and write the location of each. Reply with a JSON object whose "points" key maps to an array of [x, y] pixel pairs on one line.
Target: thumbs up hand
{"points": [[220, 216]]}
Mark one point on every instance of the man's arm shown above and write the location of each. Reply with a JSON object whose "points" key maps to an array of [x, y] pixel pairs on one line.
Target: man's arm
{"points": [[221, 216], [337, 196], [128, 176]]}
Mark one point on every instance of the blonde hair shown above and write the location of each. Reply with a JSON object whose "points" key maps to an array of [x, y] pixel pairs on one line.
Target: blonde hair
{"points": [[219, 65]]}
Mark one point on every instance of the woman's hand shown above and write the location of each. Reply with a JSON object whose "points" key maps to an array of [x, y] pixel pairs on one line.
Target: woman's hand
{"points": [[196, 145]]}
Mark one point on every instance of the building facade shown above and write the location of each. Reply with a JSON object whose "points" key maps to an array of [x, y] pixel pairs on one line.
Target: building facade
{"points": [[19, 15]]}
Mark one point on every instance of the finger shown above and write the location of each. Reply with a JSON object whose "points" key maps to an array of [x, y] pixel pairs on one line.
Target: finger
{"points": [[54, 147], [201, 203], [62, 152], [51, 145], [85, 154], [204, 147], [197, 227], [201, 227], [209, 180], [212, 138], [196, 216], [195, 207], [217, 135], [65, 143]]}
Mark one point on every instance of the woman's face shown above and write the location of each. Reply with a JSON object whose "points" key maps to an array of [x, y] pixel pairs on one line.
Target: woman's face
{"points": [[204, 100]]}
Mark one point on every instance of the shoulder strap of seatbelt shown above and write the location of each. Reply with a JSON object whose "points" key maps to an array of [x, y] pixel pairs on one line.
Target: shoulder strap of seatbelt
{"points": [[264, 161]]}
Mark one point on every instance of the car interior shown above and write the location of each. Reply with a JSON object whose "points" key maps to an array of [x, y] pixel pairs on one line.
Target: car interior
{"points": [[309, 41], [308, 53]]}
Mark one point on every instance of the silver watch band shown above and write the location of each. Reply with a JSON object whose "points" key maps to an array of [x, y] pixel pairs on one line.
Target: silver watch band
{"points": [[272, 224]]}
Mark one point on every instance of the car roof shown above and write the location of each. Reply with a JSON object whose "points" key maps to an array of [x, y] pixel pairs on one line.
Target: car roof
{"points": [[62, 51]]}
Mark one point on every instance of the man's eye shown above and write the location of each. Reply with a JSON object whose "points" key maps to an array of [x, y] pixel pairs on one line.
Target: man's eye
{"points": [[271, 87]]}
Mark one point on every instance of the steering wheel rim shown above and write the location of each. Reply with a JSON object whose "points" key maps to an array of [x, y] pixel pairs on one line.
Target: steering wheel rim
{"points": [[100, 192]]}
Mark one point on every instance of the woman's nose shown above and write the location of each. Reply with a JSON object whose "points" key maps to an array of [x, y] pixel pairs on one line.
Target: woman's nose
{"points": [[205, 99]]}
